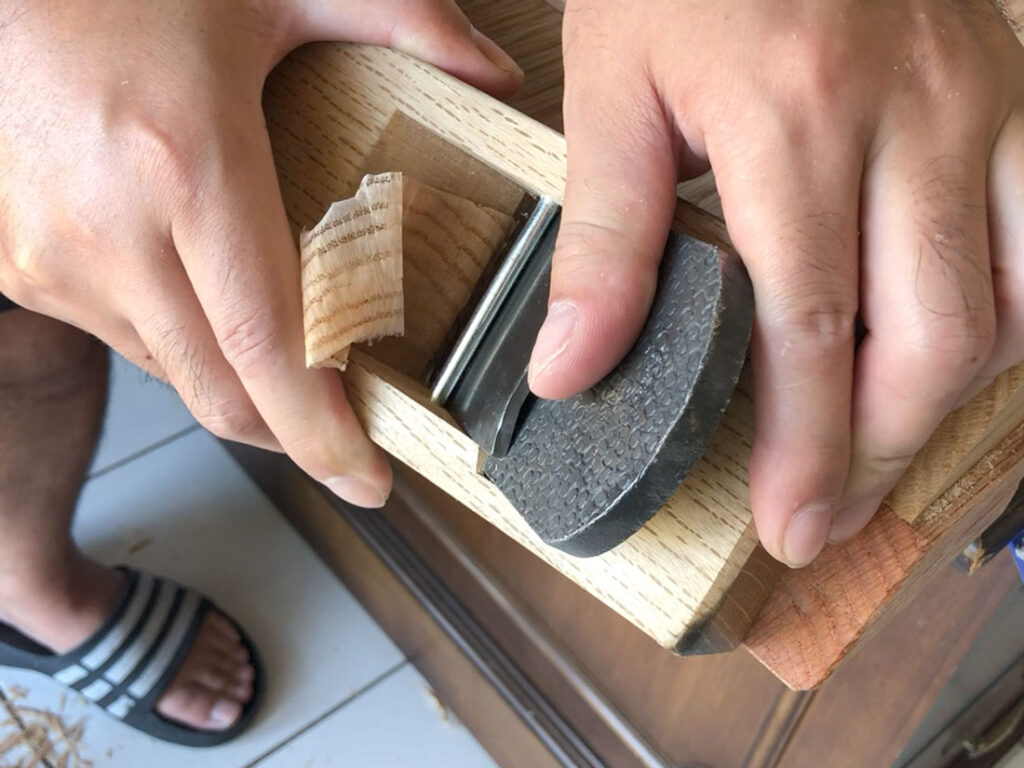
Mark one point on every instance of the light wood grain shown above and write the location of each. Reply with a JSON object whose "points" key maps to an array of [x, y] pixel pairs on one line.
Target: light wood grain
{"points": [[435, 226]]}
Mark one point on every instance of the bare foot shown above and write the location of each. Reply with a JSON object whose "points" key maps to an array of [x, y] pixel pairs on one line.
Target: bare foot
{"points": [[210, 688], [215, 681]]}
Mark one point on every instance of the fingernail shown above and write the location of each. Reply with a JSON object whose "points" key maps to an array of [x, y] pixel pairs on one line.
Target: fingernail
{"points": [[495, 54], [356, 491], [807, 532], [554, 335], [224, 712]]}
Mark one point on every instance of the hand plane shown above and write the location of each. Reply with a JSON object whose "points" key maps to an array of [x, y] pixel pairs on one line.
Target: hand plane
{"points": [[339, 112], [589, 471]]}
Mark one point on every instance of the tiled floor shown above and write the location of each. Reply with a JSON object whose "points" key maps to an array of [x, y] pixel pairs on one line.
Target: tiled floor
{"points": [[164, 495], [1014, 758]]}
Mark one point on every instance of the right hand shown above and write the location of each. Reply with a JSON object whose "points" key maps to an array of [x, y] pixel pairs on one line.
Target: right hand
{"points": [[870, 159], [139, 201]]}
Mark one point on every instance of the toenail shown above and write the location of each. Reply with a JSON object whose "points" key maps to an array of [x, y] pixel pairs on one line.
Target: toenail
{"points": [[224, 712]]}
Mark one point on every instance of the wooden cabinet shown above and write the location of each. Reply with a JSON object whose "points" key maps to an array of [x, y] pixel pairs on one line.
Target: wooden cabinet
{"points": [[544, 674], [726, 710]]}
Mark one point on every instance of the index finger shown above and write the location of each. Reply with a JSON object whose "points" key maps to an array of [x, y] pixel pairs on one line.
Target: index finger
{"points": [[241, 259]]}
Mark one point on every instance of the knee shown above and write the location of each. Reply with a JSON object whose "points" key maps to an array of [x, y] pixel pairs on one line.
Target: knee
{"points": [[44, 354]]}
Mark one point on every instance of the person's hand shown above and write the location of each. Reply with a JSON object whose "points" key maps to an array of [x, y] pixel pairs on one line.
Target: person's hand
{"points": [[870, 158], [139, 201]]}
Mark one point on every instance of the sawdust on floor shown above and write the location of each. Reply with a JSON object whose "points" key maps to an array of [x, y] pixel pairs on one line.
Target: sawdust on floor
{"points": [[37, 738]]}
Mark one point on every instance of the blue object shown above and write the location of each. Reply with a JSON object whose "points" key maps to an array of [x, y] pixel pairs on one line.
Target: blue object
{"points": [[1017, 549]]}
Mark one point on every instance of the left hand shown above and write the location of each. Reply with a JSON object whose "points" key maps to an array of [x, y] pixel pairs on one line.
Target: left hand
{"points": [[139, 199]]}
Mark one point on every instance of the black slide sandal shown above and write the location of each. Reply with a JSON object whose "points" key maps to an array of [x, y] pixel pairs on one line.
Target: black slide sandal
{"points": [[126, 665]]}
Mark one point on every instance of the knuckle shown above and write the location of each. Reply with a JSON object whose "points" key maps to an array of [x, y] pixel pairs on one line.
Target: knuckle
{"points": [[24, 271], [600, 260], [14, 279], [582, 243], [166, 154], [935, 55], [312, 455], [814, 71], [211, 403], [246, 340], [947, 203], [954, 53], [889, 461], [229, 420], [317, 450], [585, 31], [807, 268], [817, 328], [957, 345]]}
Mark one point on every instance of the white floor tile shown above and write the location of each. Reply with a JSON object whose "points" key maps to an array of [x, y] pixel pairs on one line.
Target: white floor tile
{"points": [[1012, 759], [142, 412], [187, 511], [398, 722]]}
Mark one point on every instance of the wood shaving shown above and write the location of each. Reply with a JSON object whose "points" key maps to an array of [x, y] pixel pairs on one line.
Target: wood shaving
{"points": [[352, 272], [374, 268], [37, 738]]}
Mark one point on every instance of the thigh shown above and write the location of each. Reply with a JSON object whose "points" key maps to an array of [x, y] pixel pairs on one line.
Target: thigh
{"points": [[36, 348]]}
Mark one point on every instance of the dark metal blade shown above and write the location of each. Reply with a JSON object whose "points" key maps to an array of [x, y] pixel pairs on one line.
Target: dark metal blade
{"points": [[491, 393]]}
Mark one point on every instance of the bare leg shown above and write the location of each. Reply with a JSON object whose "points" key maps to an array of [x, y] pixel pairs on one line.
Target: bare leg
{"points": [[53, 382]]}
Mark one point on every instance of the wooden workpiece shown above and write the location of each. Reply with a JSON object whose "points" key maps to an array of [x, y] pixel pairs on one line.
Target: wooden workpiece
{"points": [[336, 112]]}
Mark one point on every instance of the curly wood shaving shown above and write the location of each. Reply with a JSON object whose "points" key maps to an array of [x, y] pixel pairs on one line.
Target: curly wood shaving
{"points": [[352, 272]]}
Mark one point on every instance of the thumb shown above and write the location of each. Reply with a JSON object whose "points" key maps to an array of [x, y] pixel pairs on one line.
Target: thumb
{"points": [[436, 31], [619, 198]]}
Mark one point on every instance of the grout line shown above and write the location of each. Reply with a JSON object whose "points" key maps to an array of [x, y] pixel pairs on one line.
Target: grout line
{"points": [[142, 452], [336, 708]]}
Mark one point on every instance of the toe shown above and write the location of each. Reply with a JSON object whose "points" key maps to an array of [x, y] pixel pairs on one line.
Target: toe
{"points": [[219, 674], [241, 692], [225, 647], [224, 713], [214, 638], [245, 673], [200, 707], [215, 682], [219, 624]]}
